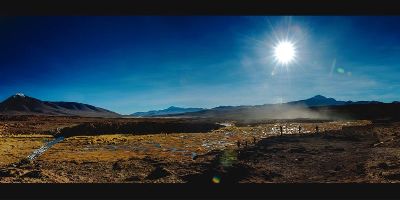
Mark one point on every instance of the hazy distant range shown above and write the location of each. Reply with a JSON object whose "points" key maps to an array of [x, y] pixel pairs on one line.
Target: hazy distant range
{"points": [[317, 107]]}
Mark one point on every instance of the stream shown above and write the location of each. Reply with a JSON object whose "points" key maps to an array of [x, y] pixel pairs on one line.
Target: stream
{"points": [[44, 148]]}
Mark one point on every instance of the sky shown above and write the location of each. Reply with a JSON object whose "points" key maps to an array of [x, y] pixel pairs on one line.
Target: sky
{"points": [[139, 63]]}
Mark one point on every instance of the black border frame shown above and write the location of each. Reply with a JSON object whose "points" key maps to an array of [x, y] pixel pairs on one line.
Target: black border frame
{"points": [[200, 7], [193, 191]]}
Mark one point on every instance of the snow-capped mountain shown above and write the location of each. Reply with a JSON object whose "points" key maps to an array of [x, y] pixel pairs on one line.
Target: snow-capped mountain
{"points": [[20, 104]]}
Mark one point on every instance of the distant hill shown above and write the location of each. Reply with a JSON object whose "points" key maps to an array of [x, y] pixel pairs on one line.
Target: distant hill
{"points": [[318, 100], [20, 104], [169, 111]]}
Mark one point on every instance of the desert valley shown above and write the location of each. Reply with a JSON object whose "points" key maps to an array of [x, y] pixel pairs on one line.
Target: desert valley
{"points": [[329, 141]]}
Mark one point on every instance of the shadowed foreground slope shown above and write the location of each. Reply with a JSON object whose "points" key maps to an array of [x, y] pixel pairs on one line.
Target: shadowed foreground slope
{"points": [[354, 154]]}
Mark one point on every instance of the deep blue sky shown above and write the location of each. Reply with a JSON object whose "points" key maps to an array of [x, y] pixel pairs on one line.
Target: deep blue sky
{"points": [[129, 64]]}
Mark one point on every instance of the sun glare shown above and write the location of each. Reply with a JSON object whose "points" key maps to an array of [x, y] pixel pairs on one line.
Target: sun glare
{"points": [[284, 52]]}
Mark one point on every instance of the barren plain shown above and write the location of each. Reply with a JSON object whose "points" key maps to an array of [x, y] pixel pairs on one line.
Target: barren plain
{"points": [[211, 152]]}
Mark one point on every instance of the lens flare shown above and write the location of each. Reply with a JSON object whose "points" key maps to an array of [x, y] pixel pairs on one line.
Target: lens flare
{"points": [[228, 158], [216, 179]]}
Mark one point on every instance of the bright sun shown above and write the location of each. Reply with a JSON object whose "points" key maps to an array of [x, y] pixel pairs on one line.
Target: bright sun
{"points": [[284, 52]]}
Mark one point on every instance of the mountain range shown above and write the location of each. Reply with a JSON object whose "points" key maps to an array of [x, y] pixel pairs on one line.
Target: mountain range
{"points": [[314, 107], [168, 111], [315, 101], [317, 107], [20, 104]]}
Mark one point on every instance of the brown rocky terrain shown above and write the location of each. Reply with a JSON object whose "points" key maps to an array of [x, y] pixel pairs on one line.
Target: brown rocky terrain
{"points": [[341, 151]]}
